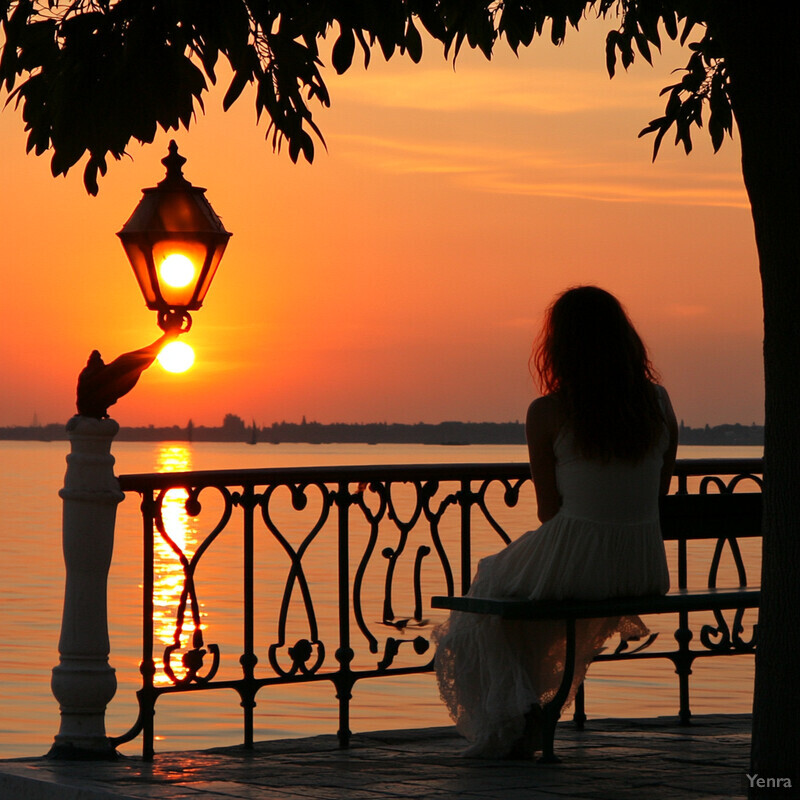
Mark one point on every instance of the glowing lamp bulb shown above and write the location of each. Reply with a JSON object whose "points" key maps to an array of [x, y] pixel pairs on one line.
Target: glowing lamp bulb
{"points": [[176, 357], [177, 270]]}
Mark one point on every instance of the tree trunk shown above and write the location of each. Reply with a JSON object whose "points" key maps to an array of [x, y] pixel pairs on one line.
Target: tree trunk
{"points": [[763, 58]]}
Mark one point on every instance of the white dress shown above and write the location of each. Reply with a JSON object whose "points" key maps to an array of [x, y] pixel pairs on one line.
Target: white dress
{"points": [[605, 541]]}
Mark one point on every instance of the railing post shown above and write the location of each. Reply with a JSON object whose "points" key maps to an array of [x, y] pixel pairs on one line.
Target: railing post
{"points": [[147, 695], [465, 502], [343, 680], [248, 659], [84, 682]]}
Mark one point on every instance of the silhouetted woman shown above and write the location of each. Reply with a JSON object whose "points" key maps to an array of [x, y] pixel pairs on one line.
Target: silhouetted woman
{"points": [[602, 441]]}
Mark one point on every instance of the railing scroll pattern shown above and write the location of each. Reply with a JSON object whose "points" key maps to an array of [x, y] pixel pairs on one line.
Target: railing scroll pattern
{"points": [[376, 543]]}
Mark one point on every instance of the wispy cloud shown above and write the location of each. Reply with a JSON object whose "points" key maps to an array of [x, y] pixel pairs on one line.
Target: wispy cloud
{"points": [[615, 191], [548, 173], [540, 92]]}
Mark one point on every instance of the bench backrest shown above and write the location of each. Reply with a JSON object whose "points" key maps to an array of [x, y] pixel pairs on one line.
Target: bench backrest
{"points": [[710, 516], [726, 517]]}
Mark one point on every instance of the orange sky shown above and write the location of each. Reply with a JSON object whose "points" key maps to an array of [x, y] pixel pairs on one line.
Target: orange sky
{"points": [[402, 276]]}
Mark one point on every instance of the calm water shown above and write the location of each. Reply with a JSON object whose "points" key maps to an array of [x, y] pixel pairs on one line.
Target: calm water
{"points": [[31, 596]]}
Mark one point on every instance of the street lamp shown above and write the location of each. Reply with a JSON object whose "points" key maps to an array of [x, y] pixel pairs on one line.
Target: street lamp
{"points": [[174, 242]]}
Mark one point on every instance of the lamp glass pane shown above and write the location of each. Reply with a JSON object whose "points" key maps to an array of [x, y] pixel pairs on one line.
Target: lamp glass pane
{"points": [[138, 257], [215, 256], [179, 265]]}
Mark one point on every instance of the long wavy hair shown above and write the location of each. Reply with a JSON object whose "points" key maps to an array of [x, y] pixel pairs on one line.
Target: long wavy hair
{"points": [[589, 354]]}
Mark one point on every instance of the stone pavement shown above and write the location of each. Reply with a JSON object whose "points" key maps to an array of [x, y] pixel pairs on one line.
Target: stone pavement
{"points": [[640, 759]]}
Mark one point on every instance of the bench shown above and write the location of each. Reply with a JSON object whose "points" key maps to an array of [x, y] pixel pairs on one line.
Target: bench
{"points": [[723, 517]]}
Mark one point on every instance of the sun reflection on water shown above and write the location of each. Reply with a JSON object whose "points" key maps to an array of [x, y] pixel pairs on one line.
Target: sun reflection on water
{"points": [[169, 576]]}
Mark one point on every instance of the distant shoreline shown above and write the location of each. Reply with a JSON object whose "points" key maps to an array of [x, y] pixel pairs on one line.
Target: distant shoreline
{"points": [[234, 429]]}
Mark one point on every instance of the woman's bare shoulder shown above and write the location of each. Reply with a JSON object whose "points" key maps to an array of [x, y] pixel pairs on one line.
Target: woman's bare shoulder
{"points": [[662, 394], [545, 412]]}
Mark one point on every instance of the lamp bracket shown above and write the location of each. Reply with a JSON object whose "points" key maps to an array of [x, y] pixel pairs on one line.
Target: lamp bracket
{"points": [[174, 321]]}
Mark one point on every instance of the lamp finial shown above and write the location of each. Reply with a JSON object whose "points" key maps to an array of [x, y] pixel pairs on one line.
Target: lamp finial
{"points": [[174, 162]]}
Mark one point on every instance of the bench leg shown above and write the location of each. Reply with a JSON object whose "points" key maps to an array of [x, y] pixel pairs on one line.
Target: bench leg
{"points": [[549, 716], [579, 715], [551, 712], [683, 666]]}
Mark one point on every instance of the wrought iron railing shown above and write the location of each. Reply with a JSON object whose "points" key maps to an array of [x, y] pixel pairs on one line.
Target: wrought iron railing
{"points": [[373, 542]]}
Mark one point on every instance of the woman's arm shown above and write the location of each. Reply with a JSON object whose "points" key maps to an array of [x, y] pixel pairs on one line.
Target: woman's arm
{"points": [[668, 466], [541, 427]]}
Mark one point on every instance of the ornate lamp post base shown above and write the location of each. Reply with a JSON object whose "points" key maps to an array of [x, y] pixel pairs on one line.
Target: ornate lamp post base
{"points": [[84, 682]]}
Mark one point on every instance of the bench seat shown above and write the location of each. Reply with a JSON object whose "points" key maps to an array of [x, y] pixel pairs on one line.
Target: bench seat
{"points": [[681, 601]]}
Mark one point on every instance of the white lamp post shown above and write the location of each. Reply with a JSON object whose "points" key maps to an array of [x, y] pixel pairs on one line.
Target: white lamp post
{"points": [[174, 242]]}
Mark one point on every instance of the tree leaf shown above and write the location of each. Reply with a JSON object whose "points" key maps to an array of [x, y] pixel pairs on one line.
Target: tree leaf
{"points": [[413, 42], [238, 82], [643, 46], [612, 40], [670, 24], [364, 46], [687, 29], [558, 28], [343, 50]]}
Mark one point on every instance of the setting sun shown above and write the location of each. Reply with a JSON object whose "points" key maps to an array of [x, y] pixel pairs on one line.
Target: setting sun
{"points": [[176, 357], [177, 270]]}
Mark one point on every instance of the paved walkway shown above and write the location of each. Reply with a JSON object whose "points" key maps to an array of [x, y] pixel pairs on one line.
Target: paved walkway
{"points": [[642, 759]]}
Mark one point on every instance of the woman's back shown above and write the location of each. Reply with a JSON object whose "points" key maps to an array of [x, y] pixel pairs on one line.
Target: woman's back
{"points": [[616, 490]]}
